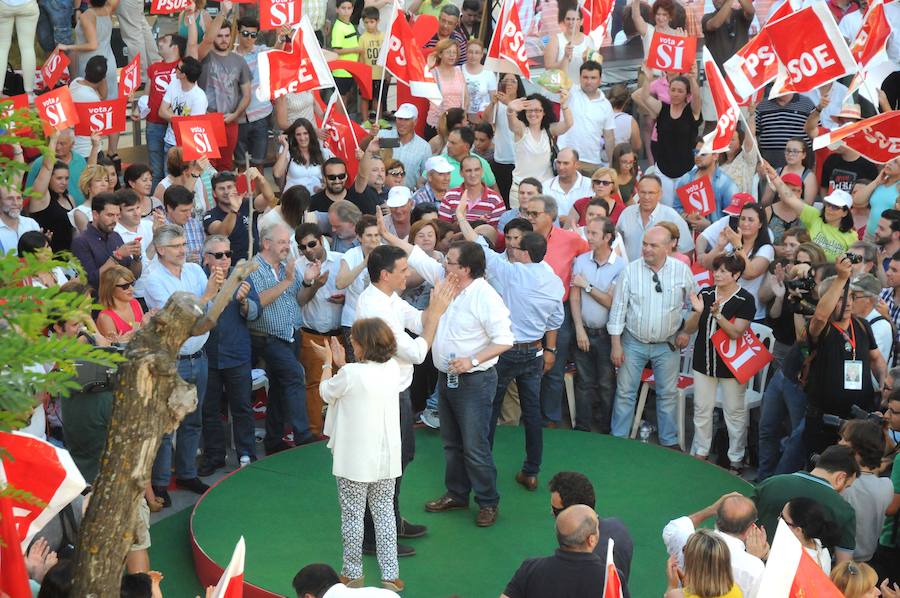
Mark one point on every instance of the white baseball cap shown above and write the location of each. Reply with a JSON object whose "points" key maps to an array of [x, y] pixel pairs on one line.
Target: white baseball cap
{"points": [[438, 164], [398, 196], [406, 111], [839, 198]]}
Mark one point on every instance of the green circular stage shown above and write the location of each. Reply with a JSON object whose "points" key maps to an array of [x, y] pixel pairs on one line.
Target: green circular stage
{"points": [[286, 508]]}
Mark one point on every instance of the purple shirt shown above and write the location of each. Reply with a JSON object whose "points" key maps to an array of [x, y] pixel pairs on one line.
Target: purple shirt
{"points": [[93, 248]]}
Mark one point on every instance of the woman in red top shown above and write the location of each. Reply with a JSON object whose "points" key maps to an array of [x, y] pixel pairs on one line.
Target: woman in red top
{"points": [[122, 313], [603, 182]]}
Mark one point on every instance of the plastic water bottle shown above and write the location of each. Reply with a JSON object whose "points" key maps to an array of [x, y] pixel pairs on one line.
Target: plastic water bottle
{"points": [[644, 431], [452, 377], [245, 460]]}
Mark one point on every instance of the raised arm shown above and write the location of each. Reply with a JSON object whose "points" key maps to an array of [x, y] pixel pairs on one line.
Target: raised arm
{"points": [[696, 98], [784, 193], [512, 117], [640, 24], [642, 97], [560, 127]]}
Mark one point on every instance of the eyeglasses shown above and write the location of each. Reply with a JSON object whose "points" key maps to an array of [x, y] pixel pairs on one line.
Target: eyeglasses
{"points": [[658, 284], [396, 173], [309, 245], [793, 151], [336, 177], [252, 34], [532, 214], [601, 183], [219, 254], [125, 285], [175, 246]]}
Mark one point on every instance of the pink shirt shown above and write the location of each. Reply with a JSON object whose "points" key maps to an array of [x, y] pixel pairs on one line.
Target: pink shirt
{"points": [[563, 246]]}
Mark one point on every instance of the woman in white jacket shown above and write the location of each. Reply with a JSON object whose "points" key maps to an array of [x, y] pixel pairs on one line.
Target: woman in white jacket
{"points": [[363, 426]]}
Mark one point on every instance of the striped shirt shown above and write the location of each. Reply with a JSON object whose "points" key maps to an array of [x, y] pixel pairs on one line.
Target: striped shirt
{"points": [[461, 39], [488, 207], [650, 311], [277, 318], [776, 124], [893, 308]]}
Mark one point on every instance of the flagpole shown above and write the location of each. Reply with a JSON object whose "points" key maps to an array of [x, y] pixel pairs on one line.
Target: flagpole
{"points": [[383, 69], [249, 207], [347, 115]]}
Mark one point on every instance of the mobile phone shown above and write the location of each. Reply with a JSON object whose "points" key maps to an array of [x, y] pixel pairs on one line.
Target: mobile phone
{"points": [[733, 223], [372, 116], [138, 239], [388, 142]]}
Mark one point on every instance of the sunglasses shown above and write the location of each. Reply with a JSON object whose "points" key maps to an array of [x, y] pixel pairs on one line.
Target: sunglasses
{"points": [[125, 285], [601, 183], [219, 254], [252, 34], [396, 173], [309, 245], [532, 214], [658, 284], [336, 177]]}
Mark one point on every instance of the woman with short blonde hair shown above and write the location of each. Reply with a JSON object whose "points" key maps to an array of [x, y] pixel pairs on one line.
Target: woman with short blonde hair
{"points": [[93, 180], [707, 569]]}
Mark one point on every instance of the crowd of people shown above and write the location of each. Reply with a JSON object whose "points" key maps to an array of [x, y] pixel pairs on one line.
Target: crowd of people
{"points": [[482, 253]]}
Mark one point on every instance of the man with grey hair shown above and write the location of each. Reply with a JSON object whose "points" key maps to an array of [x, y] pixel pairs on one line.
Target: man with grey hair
{"points": [[448, 28], [736, 524], [636, 219], [173, 274], [228, 352], [342, 217], [574, 570], [65, 142], [272, 337], [866, 290]]}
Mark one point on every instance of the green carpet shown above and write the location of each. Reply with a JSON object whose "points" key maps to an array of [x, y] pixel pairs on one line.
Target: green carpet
{"points": [[286, 508]]}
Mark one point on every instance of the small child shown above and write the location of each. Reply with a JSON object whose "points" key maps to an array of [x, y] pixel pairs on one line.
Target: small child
{"points": [[369, 45], [344, 43]]}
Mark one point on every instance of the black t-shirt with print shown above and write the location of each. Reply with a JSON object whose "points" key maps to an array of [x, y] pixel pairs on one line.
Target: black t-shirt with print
{"points": [[741, 305]]}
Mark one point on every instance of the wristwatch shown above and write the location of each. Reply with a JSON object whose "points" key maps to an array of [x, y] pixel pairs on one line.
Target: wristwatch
{"points": [[307, 285], [475, 362], [588, 288]]}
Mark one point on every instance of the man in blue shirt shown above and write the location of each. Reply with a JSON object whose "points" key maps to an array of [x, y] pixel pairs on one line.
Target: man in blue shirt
{"points": [[723, 188], [228, 352]]}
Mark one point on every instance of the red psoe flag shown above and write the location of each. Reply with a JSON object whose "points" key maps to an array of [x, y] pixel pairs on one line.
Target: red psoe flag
{"points": [[698, 196], [54, 67], [402, 57], [674, 53], [876, 138], [13, 574], [791, 572], [231, 584], [612, 585], [507, 52], [168, 7], [302, 68], [342, 136], [596, 14], [105, 118], [130, 77], [744, 356], [727, 110], [197, 139], [274, 14], [57, 110], [873, 35]]}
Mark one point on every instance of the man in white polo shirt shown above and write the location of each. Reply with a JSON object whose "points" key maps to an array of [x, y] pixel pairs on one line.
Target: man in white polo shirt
{"points": [[569, 185], [593, 130], [413, 151], [12, 224]]}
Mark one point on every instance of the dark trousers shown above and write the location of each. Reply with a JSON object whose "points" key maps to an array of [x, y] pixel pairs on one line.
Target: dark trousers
{"points": [[526, 367], [552, 382], [287, 391], [504, 177], [595, 382], [228, 389]]}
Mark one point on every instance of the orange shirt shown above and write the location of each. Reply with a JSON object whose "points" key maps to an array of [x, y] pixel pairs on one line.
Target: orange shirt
{"points": [[563, 246]]}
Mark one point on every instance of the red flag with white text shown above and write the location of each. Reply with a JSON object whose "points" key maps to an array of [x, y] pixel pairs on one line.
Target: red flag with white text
{"points": [[130, 77], [744, 356], [596, 15], [507, 52], [56, 109], [873, 35], [790, 571], [727, 110], [342, 136], [231, 584], [168, 7], [274, 14], [673, 53], [877, 138], [197, 139], [105, 118], [54, 67], [702, 276], [402, 57], [697, 196], [302, 68], [612, 585]]}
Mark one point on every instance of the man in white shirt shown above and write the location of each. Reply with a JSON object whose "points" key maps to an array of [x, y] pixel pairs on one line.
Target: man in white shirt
{"points": [[569, 185], [866, 290], [183, 97], [593, 131], [735, 524], [637, 219], [130, 227], [90, 88], [471, 335], [12, 224], [388, 270]]}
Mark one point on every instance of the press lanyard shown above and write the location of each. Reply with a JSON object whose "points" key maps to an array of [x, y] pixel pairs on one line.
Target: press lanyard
{"points": [[851, 340]]}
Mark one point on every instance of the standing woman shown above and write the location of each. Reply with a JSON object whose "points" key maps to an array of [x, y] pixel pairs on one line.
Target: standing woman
{"points": [[197, 16], [23, 16], [138, 177], [186, 174], [451, 82], [509, 89], [797, 162], [122, 314], [566, 50], [626, 126], [535, 129], [728, 307], [676, 126], [624, 162], [739, 161], [301, 157], [51, 204], [480, 83], [363, 429]]}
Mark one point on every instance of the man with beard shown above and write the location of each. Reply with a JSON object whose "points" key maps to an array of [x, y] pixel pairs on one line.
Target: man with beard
{"points": [[12, 224], [887, 236]]}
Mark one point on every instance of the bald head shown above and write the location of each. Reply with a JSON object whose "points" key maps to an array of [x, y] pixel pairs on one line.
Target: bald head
{"points": [[577, 529], [735, 515], [655, 248]]}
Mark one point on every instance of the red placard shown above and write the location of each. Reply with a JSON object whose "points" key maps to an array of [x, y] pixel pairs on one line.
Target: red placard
{"points": [[54, 67], [168, 7], [744, 356], [697, 196], [675, 53], [130, 77], [213, 120], [56, 109], [702, 276], [10, 105], [105, 118], [275, 14], [196, 138]]}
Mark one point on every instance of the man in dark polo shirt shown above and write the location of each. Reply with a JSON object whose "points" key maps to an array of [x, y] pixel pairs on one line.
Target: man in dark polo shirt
{"points": [[231, 215], [358, 192], [574, 570], [99, 247]]}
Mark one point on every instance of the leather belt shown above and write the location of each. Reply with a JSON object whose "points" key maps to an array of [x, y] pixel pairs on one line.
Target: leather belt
{"points": [[335, 332], [196, 355], [527, 345]]}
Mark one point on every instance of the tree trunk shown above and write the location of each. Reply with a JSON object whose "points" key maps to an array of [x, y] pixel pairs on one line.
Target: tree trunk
{"points": [[150, 401]]}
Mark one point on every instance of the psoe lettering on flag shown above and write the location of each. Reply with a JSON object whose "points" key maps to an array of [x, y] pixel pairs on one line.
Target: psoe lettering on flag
{"points": [[402, 57], [168, 7], [507, 52], [877, 138], [302, 68], [727, 110]]}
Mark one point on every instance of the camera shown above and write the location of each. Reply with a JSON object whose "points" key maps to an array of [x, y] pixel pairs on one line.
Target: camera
{"points": [[856, 412], [854, 259], [800, 294]]}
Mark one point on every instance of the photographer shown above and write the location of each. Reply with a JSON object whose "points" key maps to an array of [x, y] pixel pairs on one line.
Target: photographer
{"points": [[843, 358], [886, 560]]}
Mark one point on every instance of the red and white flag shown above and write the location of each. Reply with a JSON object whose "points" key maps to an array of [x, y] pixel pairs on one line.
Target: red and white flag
{"points": [[274, 14], [809, 60], [402, 57], [673, 53], [48, 473], [231, 584], [54, 67], [791, 572], [130, 77], [13, 574], [873, 35], [596, 15], [507, 52], [56, 109], [342, 136], [727, 110], [612, 585], [302, 68], [876, 138], [744, 356], [702, 276], [168, 7]]}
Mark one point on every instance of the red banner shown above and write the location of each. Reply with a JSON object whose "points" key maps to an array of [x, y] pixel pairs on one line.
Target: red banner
{"points": [[302, 68], [130, 77], [596, 15], [404, 60], [673, 53], [702, 276], [506, 52], [873, 35], [56, 109], [697, 196], [275, 14], [105, 118], [53, 68], [342, 137], [876, 138], [727, 110], [215, 121], [169, 7], [744, 356], [197, 139]]}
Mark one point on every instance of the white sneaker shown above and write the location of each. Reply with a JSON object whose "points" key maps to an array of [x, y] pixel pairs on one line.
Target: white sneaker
{"points": [[430, 418], [245, 460]]}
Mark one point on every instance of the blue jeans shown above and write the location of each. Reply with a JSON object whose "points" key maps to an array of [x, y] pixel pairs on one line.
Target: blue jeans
{"points": [[287, 391], [796, 455], [156, 135], [188, 432], [526, 367], [552, 382], [782, 399], [665, 363], [253, 138], [595, 382], [54, 24], [235, 384], [465, 414]]}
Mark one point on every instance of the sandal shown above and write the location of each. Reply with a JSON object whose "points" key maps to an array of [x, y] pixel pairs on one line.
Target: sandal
{"points": [[155, 504]]}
